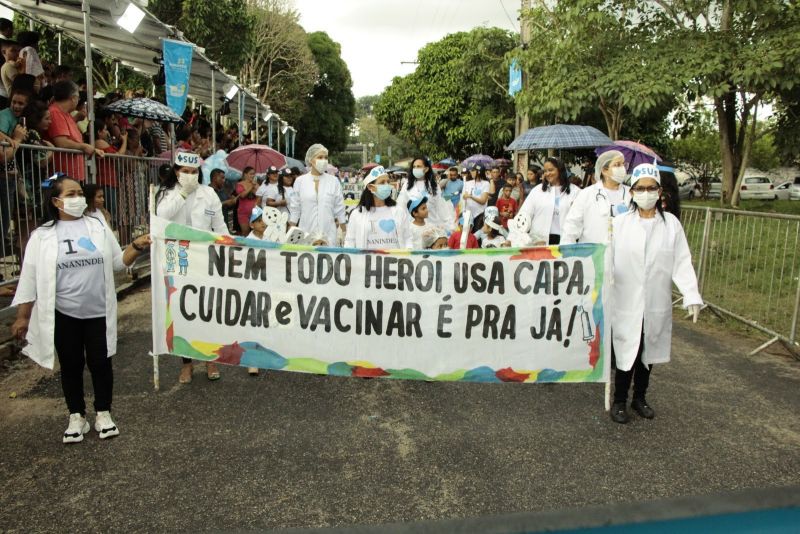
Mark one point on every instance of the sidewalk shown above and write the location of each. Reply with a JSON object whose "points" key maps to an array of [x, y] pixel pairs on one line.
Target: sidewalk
{"points": [[293, 450]]}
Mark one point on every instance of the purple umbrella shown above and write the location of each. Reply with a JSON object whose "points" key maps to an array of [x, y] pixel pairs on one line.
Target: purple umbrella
{"points": [[635, 153], [483, 159]]}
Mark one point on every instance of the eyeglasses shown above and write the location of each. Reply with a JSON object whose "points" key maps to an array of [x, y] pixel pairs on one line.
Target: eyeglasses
{"points": [[648, 189]]}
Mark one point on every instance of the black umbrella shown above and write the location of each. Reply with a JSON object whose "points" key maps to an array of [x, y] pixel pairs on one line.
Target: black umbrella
{"points": [[146, 109]]}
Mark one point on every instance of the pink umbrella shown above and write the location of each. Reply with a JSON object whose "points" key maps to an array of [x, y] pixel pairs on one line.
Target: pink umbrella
{"points": [[260, 157], [635, 153]]}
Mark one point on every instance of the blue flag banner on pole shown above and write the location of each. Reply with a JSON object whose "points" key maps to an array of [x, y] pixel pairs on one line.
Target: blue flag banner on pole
{"points": [[514, 78], [177, 68]]}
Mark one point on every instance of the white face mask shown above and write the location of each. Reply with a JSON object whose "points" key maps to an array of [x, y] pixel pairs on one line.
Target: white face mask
{"points": [[618, 174], [645, 200], [74, 206], [186, 178], [419, 174], [321, 165]]}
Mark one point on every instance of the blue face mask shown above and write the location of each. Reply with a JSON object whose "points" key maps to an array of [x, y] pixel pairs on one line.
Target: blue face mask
{"points": [[383, 191]]}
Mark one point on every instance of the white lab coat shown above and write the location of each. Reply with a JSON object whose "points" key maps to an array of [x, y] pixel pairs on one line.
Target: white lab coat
{"points": [[588, 220], [642, 289], [37, 284], [206, 209], [318, 211], [358, 228], [441, 212], [539, 206]]}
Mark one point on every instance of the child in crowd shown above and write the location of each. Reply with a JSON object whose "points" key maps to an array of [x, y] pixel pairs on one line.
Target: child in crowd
{"points": [[418, 208], [257, 224], [96, 203], [454, 241], [494, 237], [434, 238], [30, 63], [10, 69], [506, 204]]}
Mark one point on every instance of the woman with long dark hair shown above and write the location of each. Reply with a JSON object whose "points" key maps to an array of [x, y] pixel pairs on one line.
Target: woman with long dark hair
{"points": [[423, 183], [650, 254], [477, 192], [181, 198], [378, 223], [549, 203], [67, 303]]}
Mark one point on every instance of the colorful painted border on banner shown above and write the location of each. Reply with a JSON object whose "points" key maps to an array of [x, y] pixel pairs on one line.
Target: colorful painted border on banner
{"points": [[253, 354]]}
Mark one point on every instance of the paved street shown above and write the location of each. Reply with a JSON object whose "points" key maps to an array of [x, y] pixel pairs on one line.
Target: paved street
{"points": [[293, 450]]}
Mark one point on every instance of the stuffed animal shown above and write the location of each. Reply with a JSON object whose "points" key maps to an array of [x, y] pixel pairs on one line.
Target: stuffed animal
{"points": [[276, 221], [519, 231]]}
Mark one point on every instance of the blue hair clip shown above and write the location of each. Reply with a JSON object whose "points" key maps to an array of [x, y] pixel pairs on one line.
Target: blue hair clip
{"points": [[47, 184]]}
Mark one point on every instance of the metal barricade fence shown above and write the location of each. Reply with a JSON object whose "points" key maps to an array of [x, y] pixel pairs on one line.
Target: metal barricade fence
{"points": [[125, 181], [748, 267]]}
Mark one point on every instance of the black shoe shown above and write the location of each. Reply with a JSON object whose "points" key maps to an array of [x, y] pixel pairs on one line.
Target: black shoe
{"points": [[641, 407], [619, 414]]}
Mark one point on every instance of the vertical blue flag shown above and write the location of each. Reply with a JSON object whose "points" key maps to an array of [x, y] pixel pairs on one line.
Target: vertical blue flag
{"points": [[177, 68], [514, 78]]}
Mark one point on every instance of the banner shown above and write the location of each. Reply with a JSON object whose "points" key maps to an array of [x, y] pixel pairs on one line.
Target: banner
{"points": [[177, 69], [514, 78], [480, 315]]}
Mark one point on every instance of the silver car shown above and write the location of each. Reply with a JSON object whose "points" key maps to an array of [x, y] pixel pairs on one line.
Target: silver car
{"points": [[794, 189], [782, 191], [757, 188]]}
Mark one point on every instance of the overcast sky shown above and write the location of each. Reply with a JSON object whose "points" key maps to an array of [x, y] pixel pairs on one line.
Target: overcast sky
{"points": [[376, 35]]}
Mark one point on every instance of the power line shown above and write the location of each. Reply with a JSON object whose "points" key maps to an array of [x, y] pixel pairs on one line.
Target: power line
{"points": [[513, 24]]}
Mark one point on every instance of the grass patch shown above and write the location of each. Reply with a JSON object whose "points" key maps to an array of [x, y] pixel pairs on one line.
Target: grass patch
{"points": [[788, 207]]}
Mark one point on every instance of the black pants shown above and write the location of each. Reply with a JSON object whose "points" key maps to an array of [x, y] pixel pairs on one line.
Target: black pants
{"points": [[554, 239], [639, 374], [81, 342]]}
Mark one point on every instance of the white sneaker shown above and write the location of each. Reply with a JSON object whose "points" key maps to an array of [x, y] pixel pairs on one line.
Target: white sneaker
{"points": [[105, 425], [78, 426]]}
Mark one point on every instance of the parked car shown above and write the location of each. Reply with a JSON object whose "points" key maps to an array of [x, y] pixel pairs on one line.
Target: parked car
{"points": [[715, 188], [794, 190], [757, 188], [689, 189], [782, 191]]}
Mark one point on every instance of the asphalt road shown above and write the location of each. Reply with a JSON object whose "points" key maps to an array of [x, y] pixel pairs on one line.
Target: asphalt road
{"points": [[293, 450]]}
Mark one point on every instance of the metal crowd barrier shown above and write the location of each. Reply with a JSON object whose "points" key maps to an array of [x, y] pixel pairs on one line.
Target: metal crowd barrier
{"points": [[125, 181], [748, 268]]}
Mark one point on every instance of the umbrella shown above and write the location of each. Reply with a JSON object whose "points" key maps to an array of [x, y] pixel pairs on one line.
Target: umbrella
{"points": [[635, 153], [502, 162], [440, 166], [403, 163], [146, 109], [476, 159], [260, 157], [560, 136], [449, 162], [292, 162], [369, 166]]}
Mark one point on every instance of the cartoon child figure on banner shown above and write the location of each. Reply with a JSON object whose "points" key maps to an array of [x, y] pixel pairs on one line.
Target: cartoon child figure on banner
{"points": [[183, 256], [171, 255]]}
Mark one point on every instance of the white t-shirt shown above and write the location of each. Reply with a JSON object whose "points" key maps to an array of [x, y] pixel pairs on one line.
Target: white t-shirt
{"points": [[80, 277], [555, 225], [97, 214], [273, 193], [382, 232], [252, 235], [476, 189], [617, 200], [261, 192], [494, 242], [647, 224], [416, 235]]}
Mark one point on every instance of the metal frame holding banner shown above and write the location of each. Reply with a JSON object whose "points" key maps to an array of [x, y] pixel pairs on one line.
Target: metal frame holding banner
{"points": [[479, 315]]}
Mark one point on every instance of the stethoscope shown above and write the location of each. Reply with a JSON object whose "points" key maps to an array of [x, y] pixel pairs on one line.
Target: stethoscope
{"points": [[601, 195]]}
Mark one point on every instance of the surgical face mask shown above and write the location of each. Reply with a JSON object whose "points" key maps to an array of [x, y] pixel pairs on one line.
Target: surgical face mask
{"points": [[419, 173], [321, 165], [618, 174], [74, 206], [646, 200], [185, 178], [383, 191]]}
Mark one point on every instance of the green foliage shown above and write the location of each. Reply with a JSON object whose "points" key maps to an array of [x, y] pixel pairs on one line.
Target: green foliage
{"points": [[456, 102], [331, 106], [787, 109], [697, 149]]}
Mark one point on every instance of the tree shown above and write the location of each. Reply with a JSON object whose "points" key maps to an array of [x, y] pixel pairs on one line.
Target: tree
{"points": [[735, 52], [456, 102], [592, 54], [281, 62], [696, 149], [223, 27], [331, 105]]}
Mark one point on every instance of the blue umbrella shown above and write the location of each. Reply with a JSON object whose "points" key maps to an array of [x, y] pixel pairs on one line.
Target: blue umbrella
{"points": [[448, 161], [560, 136]]}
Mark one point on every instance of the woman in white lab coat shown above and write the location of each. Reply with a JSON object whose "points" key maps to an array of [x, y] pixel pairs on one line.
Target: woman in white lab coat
{"points": [[589, 217], [317, 205], [650, 253], [67, 303], [181, 198], [441, 212], [378, 223], [549, 203]]}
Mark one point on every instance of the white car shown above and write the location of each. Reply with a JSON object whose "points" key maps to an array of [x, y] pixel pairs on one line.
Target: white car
{"points": [[757, 188], [782, 191], [794, 189]]}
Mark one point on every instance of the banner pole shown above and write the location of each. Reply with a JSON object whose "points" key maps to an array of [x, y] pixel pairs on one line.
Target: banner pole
{"points": [[608, 395], [156, 374]]}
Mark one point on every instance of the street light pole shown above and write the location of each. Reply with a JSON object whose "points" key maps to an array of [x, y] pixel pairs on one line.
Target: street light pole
{"points": [[85, 8]]}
